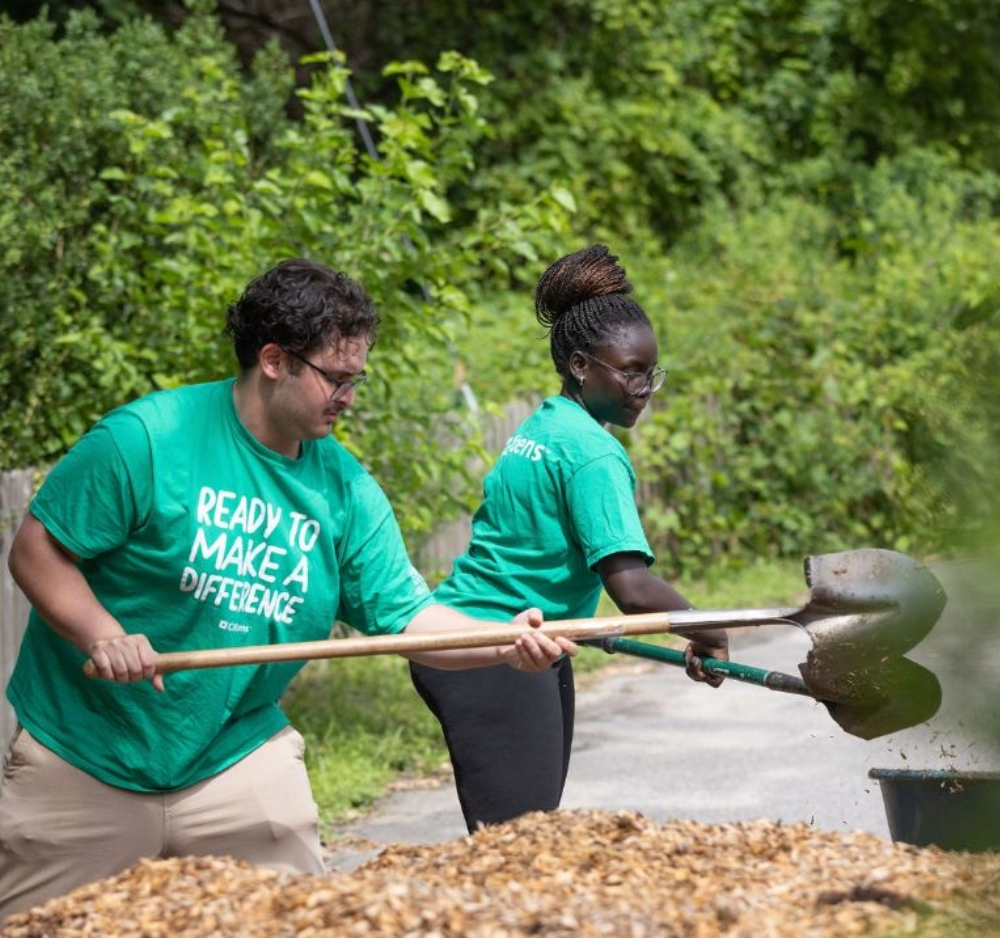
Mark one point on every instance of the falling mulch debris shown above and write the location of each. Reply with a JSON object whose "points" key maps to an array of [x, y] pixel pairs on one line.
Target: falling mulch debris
{"points": [[572, 873]]}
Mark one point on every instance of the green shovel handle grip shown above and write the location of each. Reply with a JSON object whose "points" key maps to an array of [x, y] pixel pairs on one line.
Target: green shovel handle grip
{"points": [[773, 680]]}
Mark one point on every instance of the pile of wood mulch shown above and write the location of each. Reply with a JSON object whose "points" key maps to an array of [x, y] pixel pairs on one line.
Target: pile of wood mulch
{"points": [[571, 873]]}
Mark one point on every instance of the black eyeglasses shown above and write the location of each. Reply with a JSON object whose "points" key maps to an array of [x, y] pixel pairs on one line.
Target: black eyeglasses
{"points": [[335, 384], [637, 383]]}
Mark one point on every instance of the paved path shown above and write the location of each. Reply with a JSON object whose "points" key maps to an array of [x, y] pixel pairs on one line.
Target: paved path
{"points": [[650, 740]]}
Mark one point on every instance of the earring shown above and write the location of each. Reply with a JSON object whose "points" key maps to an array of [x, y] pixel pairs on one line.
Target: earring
{"points": [[580, 378]]}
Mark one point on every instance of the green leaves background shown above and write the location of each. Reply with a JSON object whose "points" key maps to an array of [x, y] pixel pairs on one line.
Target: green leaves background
{"points": [[805, 196]]}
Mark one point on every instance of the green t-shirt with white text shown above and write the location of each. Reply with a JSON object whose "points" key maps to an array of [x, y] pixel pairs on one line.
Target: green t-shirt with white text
{"points": [[191, 531], [560, 498]]}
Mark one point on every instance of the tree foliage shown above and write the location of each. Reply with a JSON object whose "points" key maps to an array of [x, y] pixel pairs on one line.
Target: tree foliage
{"points": [[182, 187], [76, 340], [805, 196], [822, 401]]}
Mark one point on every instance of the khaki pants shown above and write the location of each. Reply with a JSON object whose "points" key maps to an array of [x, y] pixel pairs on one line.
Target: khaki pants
{"points": [[60, 828]]}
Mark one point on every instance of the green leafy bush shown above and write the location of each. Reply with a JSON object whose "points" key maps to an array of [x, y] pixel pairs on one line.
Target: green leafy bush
{"points": [[821, 402], [833, 375], [77, 339], [186, 198]]}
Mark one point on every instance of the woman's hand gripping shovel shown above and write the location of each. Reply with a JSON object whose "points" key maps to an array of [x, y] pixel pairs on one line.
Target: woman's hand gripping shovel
{"points": [[866, 608]]}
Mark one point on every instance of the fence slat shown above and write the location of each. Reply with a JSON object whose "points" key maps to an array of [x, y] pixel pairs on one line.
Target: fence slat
{"points": [[15, 492], [434, 556]]}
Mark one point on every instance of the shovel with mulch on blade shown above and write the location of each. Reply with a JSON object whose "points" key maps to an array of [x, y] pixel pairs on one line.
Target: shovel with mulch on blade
{"points": [[866, 608]]}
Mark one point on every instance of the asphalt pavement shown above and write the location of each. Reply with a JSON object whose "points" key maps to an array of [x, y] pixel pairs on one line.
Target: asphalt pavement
{"points": [[650, 740]]}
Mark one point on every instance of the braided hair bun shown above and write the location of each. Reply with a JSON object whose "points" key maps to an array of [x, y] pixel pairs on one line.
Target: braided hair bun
{"points": [[582, 300], [576, 278]]}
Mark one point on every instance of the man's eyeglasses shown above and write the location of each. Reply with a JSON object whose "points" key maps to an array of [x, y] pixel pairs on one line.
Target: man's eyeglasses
{"points": [[335, 384], [637, 383]]}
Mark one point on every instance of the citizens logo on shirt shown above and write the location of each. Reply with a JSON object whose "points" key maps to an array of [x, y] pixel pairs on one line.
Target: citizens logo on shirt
{"points": [[522, 446], [247, 572], [418, 582]]}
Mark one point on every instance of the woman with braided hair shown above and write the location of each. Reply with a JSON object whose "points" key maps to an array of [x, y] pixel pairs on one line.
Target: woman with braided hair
{"points": [[558, 524]]}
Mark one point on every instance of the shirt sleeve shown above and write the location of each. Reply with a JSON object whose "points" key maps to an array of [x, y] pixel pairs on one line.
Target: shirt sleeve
{"points": [[380, 589], [98, 492], [601, 503]]}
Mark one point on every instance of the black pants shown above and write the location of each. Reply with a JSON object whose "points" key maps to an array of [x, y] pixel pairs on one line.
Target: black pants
{"points": [[509, 736]]}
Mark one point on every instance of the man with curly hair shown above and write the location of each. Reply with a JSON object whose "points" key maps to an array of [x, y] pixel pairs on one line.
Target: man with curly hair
{"points": [[211, 516]]}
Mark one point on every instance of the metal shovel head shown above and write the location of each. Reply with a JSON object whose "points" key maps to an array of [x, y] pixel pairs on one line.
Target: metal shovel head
{"points": [[895, 695], [866, 606]]}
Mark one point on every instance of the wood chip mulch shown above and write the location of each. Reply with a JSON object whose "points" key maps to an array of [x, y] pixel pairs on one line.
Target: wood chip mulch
{"points": [[565, 873]]}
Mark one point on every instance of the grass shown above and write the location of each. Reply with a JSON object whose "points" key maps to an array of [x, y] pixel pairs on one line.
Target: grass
{"points": [[765, 583], [366, 728]]}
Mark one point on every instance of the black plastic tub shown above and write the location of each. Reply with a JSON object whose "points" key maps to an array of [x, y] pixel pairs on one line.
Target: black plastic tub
{"points": [[948, 809]]}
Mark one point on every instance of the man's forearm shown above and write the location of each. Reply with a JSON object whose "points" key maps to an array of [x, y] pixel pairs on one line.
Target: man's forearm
{"points": [[55, 587]]}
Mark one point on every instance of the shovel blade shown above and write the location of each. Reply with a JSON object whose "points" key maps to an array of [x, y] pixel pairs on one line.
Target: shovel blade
{"points": [[866, 606], [878, 701]]}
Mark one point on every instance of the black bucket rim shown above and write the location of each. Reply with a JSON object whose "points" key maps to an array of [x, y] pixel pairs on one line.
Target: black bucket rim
{"points": [[930, 774]]}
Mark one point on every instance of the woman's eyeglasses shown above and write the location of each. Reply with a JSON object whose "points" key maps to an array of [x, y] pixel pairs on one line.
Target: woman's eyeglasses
{"points": [[637, 383]]}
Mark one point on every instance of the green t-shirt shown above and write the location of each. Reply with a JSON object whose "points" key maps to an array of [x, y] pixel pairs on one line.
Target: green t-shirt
{"points": [[191, 531], [560, 498]]}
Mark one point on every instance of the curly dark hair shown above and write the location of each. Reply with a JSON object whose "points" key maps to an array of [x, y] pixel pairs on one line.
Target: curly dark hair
{"points": [[300, 305], [581, 299]]}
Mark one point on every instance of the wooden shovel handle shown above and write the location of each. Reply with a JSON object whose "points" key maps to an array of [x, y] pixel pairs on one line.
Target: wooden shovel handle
{"points": [[595, 628]]}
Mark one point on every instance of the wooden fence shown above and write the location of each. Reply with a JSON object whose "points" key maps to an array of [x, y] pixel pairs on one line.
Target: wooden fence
{"points": [[433, 557], [16, 488], [15, 493]]}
